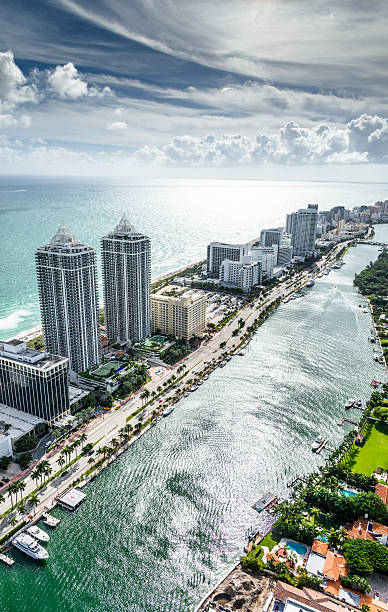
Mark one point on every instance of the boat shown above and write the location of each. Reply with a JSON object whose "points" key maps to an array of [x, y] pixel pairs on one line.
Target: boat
{"points": [[222, 364], [229, 357], [310, 283], [168, 411], [30, 547], [37, 533], [186, 394], [317, 443], [327, 272], [320, 275], [50, 521], [350, 403], [358, 403]]}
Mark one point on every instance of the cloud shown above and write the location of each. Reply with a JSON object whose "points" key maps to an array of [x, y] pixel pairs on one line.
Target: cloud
{"points": [[364, 139], [13, 88], [66, 82], [116, 126]]}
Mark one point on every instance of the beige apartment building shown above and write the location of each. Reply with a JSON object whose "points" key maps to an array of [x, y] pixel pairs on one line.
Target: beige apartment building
{"points": [[183, 316]]}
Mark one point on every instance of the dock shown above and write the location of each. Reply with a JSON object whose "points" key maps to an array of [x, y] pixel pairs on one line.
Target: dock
{"points": [[6, 560], [344, 420], [266, 502], [322, 446]]}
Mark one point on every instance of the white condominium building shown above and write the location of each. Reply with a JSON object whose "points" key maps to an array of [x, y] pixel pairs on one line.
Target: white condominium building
{"points": [[183, 316], [284, 255], [304, 230], [68, 294], [269, 237], [218, 251], [268, 259], [243, 274], [126, 269]]}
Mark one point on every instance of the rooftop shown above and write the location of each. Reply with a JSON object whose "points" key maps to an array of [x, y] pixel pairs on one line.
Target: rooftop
{"points": [[335, 565], [16, 350], [320, 547], [21, 422], [308, 597], [382, 492]]}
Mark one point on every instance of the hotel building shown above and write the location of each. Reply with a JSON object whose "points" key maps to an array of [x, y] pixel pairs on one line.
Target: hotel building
{"points": [[183, 316], [243, 274], [304, 230], [217, 252], [269, 237], [68, 295], [33, 381], [126, 269]]}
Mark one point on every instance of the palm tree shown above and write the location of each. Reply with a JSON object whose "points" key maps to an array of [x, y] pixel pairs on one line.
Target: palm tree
{"points": [[21, 509], [33, 502], [61, 460], [2, 498], [12, 490], [13, 521], [47, 471], [91, 460], [146, 393], [83, 437], [159, 389], [35, 474]]}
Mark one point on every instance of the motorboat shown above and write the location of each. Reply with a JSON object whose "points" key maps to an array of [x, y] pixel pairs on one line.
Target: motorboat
{"points": [[358, 403], [50, 521], [168, 411], [30, 547], [350, 403], [38, 533], [326, 272], [317, 443], [310, 283], [222, 364]]}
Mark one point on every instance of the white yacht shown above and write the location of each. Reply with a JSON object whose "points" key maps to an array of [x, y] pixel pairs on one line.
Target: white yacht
{"points": [[37, 533], [168, 411], [350, 403], [310, 283], [30, 547], [317, 443]]}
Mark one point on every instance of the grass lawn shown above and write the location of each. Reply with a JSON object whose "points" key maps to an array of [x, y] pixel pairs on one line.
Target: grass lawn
{"points": [[373, 454], [269, 541]]}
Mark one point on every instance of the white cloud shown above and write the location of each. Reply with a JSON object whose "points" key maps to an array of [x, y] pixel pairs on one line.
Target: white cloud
{"points": [[116, 126], [66, 82], [14, 90], [364, 139]]}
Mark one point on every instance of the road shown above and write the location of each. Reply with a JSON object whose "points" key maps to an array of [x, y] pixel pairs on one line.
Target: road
{"points": [[106, 427]]}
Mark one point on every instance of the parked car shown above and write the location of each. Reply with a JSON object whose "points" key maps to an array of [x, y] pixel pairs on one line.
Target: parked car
{"points": [[91, 451]]}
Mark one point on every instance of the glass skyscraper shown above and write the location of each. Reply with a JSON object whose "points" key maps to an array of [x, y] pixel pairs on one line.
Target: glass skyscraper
{"points": [[33, 381]]}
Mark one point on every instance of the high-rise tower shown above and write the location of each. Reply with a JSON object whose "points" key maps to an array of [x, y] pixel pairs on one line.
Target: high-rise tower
{"points": [[126, 268], [68, 293]]}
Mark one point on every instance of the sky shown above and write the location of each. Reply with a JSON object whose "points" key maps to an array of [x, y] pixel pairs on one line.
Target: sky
{"points": [[250, 87]]}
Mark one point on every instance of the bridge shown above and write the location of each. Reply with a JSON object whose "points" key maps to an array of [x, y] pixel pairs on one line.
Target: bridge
{"points": [[374, 243]]}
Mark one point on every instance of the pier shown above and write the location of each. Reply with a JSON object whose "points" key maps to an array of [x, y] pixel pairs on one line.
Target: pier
{"points": [[345, 420], [7, 560], [322, 446]]}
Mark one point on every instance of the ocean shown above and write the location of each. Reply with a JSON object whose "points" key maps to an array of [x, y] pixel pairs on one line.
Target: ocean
{"points": [[181, 216]]}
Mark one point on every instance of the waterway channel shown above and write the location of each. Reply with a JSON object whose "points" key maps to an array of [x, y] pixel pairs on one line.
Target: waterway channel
{"points": [[163, 522]]}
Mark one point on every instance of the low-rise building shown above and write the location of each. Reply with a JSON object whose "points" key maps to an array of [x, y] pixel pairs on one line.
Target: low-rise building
{"points": [[183, 316]]}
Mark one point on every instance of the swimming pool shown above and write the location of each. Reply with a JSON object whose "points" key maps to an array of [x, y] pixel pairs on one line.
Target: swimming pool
{"points": [[348, 493], [297, 547]]}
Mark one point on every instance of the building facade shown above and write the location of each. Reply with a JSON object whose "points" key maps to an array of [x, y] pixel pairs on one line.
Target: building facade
{"points": [[33, 381], [218, 251], [126, 269], [284, 255], [269, 237], [68, 295], [243, 274], [304, 231], [268, 258], [183, 316]]}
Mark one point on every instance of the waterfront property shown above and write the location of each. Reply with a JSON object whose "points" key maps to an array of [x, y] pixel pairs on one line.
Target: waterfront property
{"points": [[183, 316], [374, 451], [126, 267], [68, 295], [33, 381]]}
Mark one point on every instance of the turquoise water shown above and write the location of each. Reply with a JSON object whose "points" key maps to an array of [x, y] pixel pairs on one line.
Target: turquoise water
{"points": [[181, 216], [162, 524], [297, 546], [348, 493]]}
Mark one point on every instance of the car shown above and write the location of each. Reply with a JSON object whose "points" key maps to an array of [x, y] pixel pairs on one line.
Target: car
{"points": [[107, 407], [377, 595], [65, 473], [47, 444], [91, 451]]}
